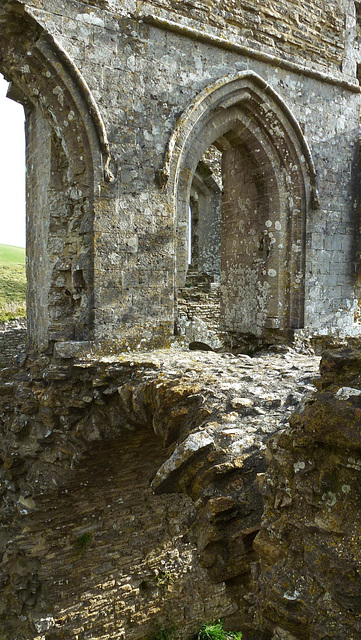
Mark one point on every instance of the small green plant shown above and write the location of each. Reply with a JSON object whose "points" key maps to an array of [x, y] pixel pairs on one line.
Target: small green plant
{"points": [[83, 541], [165, 577], [163, 634], [215, 631]]}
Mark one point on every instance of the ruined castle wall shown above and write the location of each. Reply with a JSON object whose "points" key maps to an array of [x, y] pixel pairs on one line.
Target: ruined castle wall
{"points": [[309, 544], [312, 32], [97, 553], [12, 341], [143, 73], [128, 490], [122, 551]]}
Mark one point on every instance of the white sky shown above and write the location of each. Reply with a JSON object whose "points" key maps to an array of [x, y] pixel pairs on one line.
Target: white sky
{"points": [[12, 170]]}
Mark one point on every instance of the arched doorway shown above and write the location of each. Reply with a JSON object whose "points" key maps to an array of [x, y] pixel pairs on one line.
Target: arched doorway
{"points": [[268, 186], [12, 216], [67, 164]]}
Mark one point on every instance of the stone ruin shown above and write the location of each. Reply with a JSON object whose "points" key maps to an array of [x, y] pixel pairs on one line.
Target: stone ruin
{"points": [[147, 119], [192, 177]]}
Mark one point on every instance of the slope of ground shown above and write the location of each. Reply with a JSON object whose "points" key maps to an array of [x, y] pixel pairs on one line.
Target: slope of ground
{"points": [[12, 282]]}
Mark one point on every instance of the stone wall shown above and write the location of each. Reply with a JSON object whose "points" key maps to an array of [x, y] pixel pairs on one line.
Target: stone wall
{"points": [[140, 471], [128, 491], [129, 91], [130, 497], [118, 548], [315, 32], [309, 543], [199, 312], [12, 341]]}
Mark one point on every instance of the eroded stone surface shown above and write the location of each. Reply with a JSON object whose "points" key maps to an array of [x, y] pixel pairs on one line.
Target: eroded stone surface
{"points": [[310, 537], [125, 101], [12, 341], [128, 485]]}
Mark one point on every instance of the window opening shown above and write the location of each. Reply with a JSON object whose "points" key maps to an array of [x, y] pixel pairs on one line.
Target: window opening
{"points": [[190, 230], [358, 72]]}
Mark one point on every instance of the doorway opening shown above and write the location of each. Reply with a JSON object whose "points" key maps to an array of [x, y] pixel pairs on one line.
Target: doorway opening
{"points": [[12, 208], [199, 299], [242, 178]]}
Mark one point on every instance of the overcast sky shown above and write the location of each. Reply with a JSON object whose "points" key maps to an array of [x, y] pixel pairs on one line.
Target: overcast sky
{"points": [[12, 170]]}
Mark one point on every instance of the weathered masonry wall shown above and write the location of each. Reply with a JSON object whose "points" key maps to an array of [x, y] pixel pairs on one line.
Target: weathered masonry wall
{"points": [[119, 85], [312, 32], [37, 226], [128, 496], [12, 341], [309, 544]]}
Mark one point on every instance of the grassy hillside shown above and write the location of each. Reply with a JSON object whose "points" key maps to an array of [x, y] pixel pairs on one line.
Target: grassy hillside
{"points": [[12, 282]]}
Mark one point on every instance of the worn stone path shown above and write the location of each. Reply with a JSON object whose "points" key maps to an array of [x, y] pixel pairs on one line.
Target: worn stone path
{"points": [[250, 395]]}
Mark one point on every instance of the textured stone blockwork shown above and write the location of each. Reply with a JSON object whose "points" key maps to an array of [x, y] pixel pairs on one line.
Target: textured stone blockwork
{"points": [[122, 100], [128, 491], [310, 537], [126, 105], [12, 341]]}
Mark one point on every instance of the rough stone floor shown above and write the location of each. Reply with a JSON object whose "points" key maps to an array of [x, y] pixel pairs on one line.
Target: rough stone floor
{"points": [[251, 395]]}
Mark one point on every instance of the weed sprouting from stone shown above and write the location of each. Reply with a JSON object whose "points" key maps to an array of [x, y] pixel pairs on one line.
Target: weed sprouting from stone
{"points": [[165, 578], [83, 542], [215, 631]]}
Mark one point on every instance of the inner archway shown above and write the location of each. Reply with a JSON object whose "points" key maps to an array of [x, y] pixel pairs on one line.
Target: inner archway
{"points": [[268, 185]]}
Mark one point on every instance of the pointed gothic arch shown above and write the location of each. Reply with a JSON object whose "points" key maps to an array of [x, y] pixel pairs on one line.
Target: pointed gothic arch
{"points": [[269, 187], [67, 165]]}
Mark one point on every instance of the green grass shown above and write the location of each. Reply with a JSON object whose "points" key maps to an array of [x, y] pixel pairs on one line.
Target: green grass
{"points": [[12, 283], [215, 631]]}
